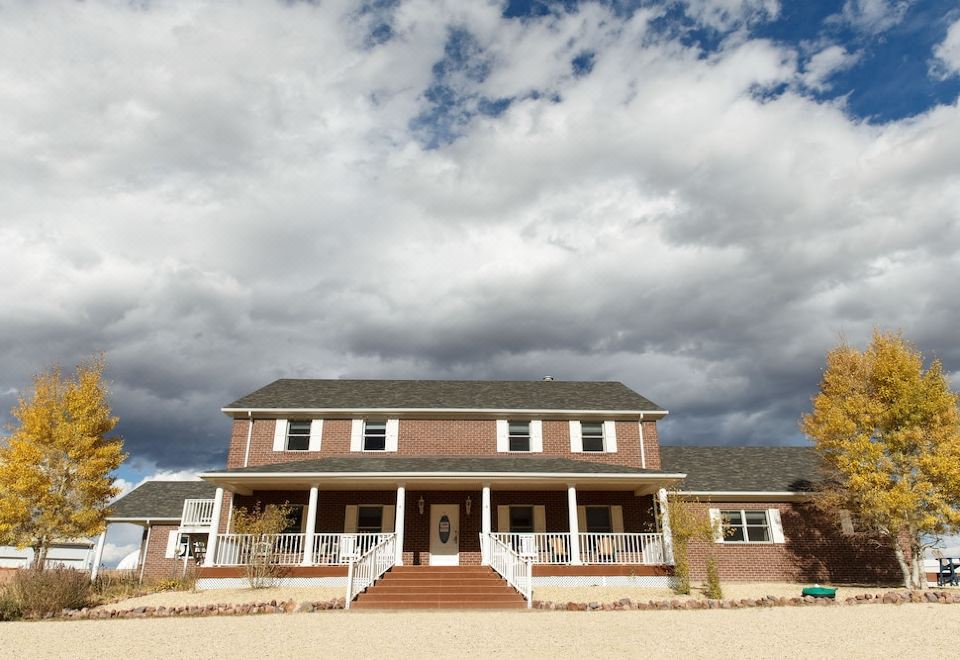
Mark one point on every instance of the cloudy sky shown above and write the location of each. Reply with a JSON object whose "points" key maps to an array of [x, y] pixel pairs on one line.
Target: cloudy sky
{"points": [[695, 197]]}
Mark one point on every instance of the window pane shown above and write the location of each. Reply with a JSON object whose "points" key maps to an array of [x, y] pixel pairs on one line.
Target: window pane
{"points": [[374, 443], [298, 442], [592, 436], [591, 428], [593, 444], [733, 533], [756, 517], [521, 519], [374, 436], [519, 428], [294, 521], [369, 518], [375, 427], [598, 519], [519, 444], [731, 518], [757, 534], [299, 427]]}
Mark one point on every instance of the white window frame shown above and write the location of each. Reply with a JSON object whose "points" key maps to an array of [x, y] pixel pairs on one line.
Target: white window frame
{"points": [[290, 423], [363, 436], [529, 437], [603, 438], [743, 526]]}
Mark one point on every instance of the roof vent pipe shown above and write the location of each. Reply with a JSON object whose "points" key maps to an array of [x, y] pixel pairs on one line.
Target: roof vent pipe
{"points": [[548, 377]]}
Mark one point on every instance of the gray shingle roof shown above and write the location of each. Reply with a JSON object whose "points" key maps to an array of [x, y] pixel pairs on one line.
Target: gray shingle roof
{"points": [[160, 499], [744, 468], [441, 394], [443, 464]]}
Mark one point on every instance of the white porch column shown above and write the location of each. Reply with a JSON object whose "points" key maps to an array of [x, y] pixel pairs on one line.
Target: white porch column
{"points": [[214, 529], [398, 523], [485, 525], [665, 526], [311, 526], [98, 554], [574, 524]]}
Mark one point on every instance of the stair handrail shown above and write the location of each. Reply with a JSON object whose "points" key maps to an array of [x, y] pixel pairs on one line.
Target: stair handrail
{"points": [[513, 567], [366, 569]]}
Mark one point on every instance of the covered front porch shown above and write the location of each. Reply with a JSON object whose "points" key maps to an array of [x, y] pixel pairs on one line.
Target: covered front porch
{"points": [[572, 518]]}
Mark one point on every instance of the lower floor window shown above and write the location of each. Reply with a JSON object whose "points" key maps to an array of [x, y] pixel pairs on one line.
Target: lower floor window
{"points": [[294, 520], [745, 526], [598, 519], [521, 519], [370, 519]]}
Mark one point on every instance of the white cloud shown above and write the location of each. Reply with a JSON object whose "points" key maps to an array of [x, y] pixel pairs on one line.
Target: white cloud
{"points": [[946, 54], [824, 64], [875, 16], [113, 553], [220, 195], [729, 14]]}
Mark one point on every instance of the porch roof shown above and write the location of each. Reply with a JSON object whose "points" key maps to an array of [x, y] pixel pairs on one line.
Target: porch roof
{"points": [[158, 500], [442, 471]]}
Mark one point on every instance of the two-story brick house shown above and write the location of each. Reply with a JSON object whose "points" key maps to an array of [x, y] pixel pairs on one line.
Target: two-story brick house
{"points": [[565, 477]]}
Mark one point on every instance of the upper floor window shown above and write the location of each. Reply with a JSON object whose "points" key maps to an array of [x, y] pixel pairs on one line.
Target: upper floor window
{"points": [[592, 435], [519, 436], [374, 436], [745, 526], [298, 436]]}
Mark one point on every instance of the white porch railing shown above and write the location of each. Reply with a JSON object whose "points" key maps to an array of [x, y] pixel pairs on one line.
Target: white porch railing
{"points": [[196, 513], [337, 549], [600, 548], [363, 570], [243, 549], [595, 548], [516, 569]]}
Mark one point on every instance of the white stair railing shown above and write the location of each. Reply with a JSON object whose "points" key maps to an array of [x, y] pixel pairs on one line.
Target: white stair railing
{"points": [[516, 569], [363, 570]]}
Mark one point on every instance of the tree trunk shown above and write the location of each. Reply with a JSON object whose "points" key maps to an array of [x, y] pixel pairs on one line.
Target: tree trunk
{"points": [[916, 561], [905, 567]]}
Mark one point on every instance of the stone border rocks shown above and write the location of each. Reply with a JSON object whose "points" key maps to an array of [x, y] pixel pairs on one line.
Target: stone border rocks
{"points": [[888, 598], [221, 609]]}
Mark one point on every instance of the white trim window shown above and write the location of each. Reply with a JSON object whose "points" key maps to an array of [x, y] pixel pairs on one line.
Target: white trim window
{"points": [[748, 525], [591, 436], [518, 436], [374, 435], [298, 435]]}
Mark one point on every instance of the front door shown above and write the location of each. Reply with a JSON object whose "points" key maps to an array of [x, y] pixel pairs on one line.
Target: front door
{"points": [[444, 534]]}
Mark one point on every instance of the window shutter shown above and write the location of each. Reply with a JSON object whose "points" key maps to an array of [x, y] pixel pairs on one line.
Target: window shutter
{"points": [[539, 519], [616, 519], [388, 518], [356, 435], [610, 437], [393, 434], [350, 519], [536, 435], [503, 519], [173, 539], [716, 523], [776, 527], [503, 435], [280, 435], [582, 518], [576, 437], [846, 522], [316, 432]]}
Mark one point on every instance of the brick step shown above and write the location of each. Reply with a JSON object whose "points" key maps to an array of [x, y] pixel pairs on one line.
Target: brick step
{"points": [[446, 605], [445, 588], [441, 569], [440, 598], [442, 583]]}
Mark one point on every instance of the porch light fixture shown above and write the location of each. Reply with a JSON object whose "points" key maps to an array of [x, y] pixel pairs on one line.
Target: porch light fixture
{"points": [[420, 505], [468, 504]]}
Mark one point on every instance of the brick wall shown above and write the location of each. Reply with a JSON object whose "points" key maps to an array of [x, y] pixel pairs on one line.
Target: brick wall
{"points": [[815, 551], [439, 437]]}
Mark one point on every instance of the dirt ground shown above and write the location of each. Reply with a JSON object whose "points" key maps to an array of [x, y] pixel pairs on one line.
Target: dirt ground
{"points": [[867, 631]]}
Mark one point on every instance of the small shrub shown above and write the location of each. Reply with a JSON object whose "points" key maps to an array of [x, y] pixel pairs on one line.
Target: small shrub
{"points": [[9, 609], [39, 592], [261, 556], [711, 588]]}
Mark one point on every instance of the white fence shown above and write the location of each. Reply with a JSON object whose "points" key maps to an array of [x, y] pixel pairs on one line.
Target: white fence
{"points": [[243, 549], [517, 570], [197, 513], [365, 569], [621, 548], [337, 549], [595, 548]]}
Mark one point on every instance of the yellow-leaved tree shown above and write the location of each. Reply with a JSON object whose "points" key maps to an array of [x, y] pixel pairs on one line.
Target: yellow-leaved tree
{"points": [[55, 466], [890, 431]]}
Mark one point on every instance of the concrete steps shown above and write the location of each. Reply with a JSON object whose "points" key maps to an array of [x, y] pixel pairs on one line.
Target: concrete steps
{"points": [[453, 587]]}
